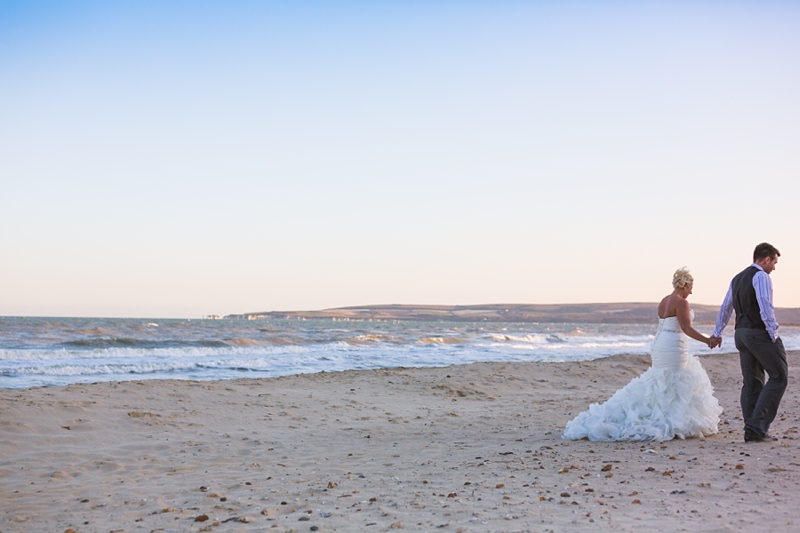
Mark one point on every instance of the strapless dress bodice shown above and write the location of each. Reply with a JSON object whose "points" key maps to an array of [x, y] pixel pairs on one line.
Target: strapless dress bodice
{"points": [[670, 345], [670, 324]]}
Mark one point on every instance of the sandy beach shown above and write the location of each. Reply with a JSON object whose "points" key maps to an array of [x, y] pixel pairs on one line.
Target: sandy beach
{"points": [[463, 448]]}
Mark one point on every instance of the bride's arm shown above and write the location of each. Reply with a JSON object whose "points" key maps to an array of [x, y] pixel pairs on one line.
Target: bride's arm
{"points": [[685, 320]]}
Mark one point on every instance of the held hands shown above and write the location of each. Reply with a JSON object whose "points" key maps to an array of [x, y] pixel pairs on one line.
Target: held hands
{"points": [[714, 342]]}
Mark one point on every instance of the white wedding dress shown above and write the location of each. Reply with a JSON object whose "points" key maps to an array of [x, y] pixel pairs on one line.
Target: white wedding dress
{"points": [[673, 398]]}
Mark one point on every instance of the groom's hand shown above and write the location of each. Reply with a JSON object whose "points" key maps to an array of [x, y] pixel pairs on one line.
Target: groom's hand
{"points": [[716, 342]]}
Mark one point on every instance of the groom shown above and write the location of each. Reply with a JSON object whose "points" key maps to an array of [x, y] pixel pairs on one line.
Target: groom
{"points": [[760, 347]]}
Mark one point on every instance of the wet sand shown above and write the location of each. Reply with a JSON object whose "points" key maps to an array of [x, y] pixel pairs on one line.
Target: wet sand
{"points": [[463, 448]]}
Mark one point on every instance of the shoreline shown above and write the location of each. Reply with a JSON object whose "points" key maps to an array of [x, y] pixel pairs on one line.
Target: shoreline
{"points": [[460, 448], [145, 377]]}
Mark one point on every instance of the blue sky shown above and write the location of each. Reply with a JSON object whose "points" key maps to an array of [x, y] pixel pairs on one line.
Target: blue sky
{"points": [[186, 158]]}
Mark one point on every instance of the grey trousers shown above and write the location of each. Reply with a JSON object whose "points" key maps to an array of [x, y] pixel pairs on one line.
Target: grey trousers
{"points": [[757, 354]]}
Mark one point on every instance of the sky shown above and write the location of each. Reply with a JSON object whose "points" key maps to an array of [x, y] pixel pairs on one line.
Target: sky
{"points": [[180, 159]]}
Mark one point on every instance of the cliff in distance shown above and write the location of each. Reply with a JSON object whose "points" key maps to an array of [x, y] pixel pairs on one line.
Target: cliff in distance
{"points": [[599, 313]]}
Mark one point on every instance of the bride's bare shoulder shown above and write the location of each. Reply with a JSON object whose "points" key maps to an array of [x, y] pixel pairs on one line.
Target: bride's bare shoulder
{"points": [[671, 305], [664, 307]]}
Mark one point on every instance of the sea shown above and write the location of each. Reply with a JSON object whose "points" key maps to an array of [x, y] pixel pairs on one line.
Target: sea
{"points": [[37, 352]]}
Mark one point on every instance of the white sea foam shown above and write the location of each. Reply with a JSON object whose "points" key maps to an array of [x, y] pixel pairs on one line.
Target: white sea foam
{"points": [[135, 353]]}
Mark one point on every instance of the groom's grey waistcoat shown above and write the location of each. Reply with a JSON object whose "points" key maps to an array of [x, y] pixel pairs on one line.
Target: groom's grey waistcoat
{"points": [[748, 313]]}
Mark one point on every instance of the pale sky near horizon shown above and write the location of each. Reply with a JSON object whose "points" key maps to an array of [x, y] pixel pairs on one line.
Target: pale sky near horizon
{"points": [[177, 159]]}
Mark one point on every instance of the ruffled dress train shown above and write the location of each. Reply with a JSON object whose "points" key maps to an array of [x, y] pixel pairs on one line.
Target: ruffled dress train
{"points": [[673, 398]]}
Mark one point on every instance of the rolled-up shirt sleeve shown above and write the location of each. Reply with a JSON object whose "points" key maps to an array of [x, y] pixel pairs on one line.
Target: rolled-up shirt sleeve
{"points": [[763, 287], [725, 311]]}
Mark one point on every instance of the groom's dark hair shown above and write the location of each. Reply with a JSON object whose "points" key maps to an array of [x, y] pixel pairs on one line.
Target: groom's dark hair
{"points": [[765, 250]]}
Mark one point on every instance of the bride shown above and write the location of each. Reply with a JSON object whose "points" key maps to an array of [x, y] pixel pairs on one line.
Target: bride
{"points": [[673, 398]]}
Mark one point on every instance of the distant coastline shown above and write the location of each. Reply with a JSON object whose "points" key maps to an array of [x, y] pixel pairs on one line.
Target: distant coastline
{"points": [[597, 313]]}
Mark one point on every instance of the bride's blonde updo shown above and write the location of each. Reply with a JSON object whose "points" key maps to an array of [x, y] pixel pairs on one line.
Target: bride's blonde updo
{"points": [[682, 278]]}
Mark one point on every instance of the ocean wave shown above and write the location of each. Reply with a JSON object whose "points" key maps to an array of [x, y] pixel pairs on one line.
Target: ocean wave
{"points": [[127, 364], [102, 369], [96, 331], [582, 340], [194, 352], [532, 339], [110, 342], [369, 339], [442, 340], [244, 342]]}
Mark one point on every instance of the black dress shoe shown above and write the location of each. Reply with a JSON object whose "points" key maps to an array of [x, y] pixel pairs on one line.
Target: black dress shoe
{"points": [[753, 437]]}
